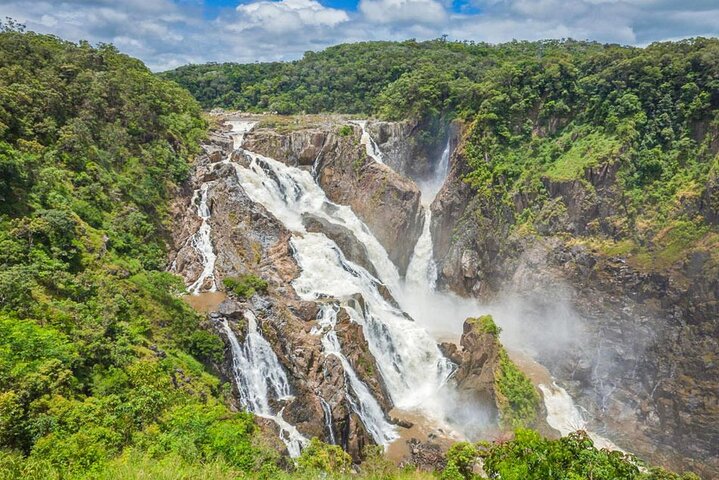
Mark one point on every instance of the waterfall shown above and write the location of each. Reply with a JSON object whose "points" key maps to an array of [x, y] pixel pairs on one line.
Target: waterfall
{"points": [[408, 358], [413, 369], [259, 378], [371, 147], [327, 411], [201, 241], [563, 415], [363, 403], [422, 270]]}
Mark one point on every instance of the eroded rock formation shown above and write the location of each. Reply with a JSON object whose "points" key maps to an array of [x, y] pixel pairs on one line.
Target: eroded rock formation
{"points": [[384, 200]]}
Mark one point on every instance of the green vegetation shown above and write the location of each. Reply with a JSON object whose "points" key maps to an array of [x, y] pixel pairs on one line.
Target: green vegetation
{"points": [[485, 324], [245, 286], [96, 348], [530, 457], [103, 368], [537, 112], [518, 399], [345, 130]]}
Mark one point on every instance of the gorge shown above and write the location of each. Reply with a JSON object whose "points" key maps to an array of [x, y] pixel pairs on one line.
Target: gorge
{"points": [[351, 248], [399, 260]]}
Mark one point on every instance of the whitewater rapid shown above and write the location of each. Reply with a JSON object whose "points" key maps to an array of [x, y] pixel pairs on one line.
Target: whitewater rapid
{"points": [[410, 363]]}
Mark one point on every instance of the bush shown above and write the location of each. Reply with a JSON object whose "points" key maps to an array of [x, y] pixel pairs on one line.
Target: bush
{"points": [[345, 131], [461, 458], [245, 286], [517, 397], [485, 324], [319, 457]]}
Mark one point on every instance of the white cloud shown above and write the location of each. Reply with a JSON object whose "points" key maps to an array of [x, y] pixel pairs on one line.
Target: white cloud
{"points": [[403, 12], [167, 33], [288, 15]]}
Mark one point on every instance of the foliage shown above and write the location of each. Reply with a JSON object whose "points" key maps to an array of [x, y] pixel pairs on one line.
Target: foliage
{"points": [[394, 79], [345, 130], [245, 286], [95, 345], [320, 457], [485, 324], [518, 399], [461, 458], [539, 114], [531, 457]]}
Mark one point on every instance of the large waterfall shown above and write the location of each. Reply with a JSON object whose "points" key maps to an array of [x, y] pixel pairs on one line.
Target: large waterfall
{"points": [[413, 369], [411, 365]]}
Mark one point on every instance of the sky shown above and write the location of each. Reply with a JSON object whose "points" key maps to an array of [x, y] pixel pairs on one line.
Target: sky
{"points": [[169, 33]]}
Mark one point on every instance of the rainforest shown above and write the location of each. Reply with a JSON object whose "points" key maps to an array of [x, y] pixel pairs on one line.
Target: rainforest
{"points": [[410, 260]]}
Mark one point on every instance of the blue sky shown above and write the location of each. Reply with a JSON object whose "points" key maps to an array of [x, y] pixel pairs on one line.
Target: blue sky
{"points": [[169, 33]]}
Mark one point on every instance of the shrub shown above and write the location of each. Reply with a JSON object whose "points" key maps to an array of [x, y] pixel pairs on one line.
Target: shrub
{"points": [[345, 131], [461, 458], [320, 457], [517, 398], [245, 286], [485, 324]]}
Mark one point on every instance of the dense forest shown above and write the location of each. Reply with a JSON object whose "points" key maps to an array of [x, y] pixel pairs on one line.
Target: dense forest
{"points": [[103, 369], [535, 113]]}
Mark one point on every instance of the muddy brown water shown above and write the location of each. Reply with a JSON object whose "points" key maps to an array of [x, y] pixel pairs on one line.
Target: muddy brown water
{"points": [[205, 302]]}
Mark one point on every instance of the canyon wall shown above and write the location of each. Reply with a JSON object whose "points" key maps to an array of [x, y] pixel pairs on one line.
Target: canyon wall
{"points": [[638, 346]]}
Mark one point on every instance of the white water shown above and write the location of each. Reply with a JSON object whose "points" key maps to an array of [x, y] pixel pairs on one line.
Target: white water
{"points": [[371, 147], [411, 365], [564, 416], [260, 378], [202, 243], [361, 400], [421, 299], [327, 411]]}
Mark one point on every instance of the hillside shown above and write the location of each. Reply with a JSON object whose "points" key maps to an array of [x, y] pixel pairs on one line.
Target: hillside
{"points": [[106, 373]]}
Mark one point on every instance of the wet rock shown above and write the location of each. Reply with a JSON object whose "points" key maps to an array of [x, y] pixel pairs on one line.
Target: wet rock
{"points": [[343, 237], [426, 456], [247, 239], [386, 202], [478, 362]]}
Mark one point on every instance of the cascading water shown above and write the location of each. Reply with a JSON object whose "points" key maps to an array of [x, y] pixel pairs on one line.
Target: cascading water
{"points": [[361, 400], [327, 412], [409, 360], [202, 243], [563, 415], [258, 374], [366, 139], [413, 369], [259, 378]]}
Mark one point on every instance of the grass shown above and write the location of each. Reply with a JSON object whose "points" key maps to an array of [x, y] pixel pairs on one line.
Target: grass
{"points": [[245, 286], [485, 324], [583, 152]]}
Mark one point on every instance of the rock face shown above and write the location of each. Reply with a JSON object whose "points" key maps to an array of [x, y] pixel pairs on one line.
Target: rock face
{"points": [[249, 240], [384, 200], [412, 149], [478, 360], [343, 237], [636, 346]]}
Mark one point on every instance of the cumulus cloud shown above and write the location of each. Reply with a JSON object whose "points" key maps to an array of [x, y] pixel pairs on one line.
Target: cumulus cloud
{"points": [[403, 12], [169, 33], [285, 15]]}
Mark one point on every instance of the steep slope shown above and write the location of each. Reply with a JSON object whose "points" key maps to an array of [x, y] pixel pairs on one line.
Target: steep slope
{"points": [[97, 352]]}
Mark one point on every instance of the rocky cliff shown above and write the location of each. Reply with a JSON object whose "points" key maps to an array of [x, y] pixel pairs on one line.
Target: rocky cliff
{"points": [[249, 240], [388, 203], [636, 335]]}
